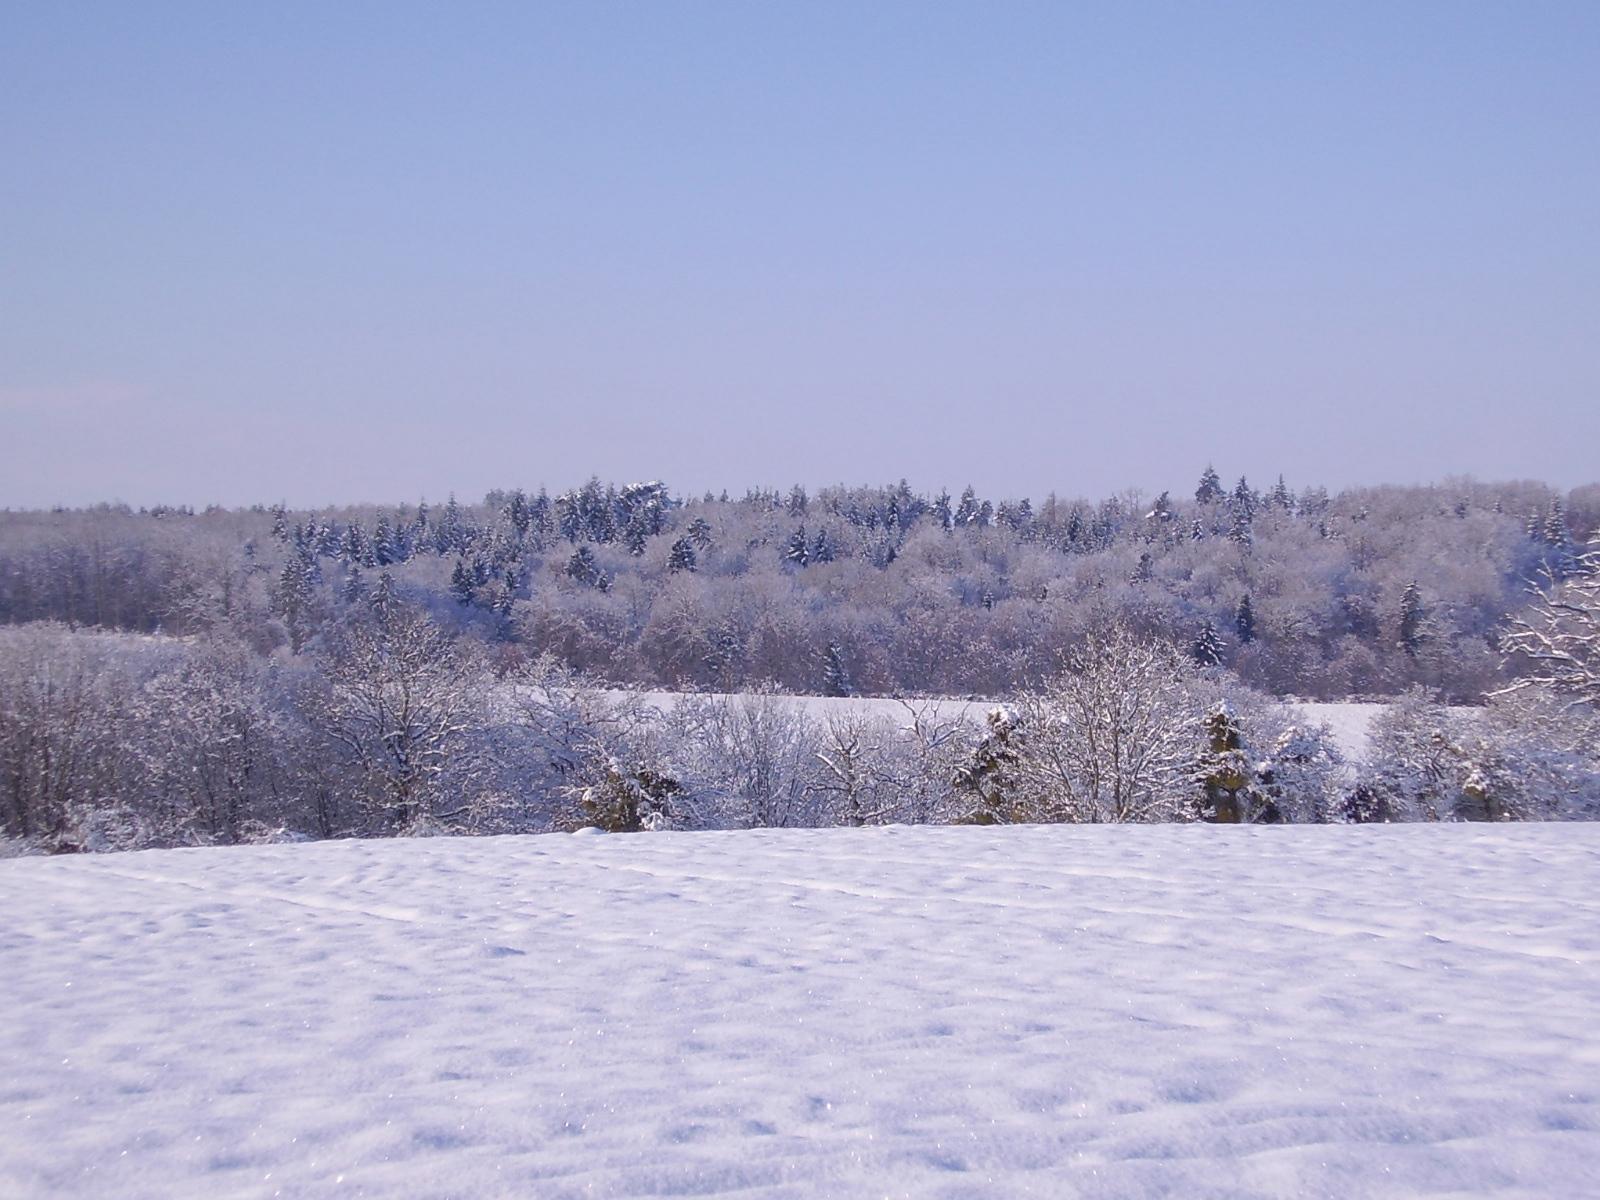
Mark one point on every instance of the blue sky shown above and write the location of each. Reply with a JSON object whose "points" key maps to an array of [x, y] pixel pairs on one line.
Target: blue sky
{"points": [[342, 252]]}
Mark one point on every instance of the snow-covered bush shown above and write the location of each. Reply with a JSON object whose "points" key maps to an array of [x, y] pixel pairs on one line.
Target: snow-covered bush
{"points": [[755, 759], [1523, 757]]}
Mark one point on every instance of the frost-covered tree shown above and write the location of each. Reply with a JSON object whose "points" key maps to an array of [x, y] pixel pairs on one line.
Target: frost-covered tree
{"points": [[797, 551], [1412, 614], [1556, 644], [1208, 646], [835, 673], [461, 583], [584, 568], [1114, 736], [402, 701], [681, 557]]}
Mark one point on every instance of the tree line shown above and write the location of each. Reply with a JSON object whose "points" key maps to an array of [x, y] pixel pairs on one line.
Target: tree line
{"points": [[882, 590], [390, 725]]}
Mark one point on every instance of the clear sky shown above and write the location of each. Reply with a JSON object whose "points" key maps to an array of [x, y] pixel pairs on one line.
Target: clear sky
{"points": [[331, 252]]}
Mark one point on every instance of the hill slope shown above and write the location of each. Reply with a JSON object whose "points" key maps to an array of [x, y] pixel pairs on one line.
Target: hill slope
{"points": [[1058, 1011]]}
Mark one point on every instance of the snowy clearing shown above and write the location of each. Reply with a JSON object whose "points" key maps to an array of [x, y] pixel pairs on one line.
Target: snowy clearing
{"points": [[1348, 721], [1161, 1011]]}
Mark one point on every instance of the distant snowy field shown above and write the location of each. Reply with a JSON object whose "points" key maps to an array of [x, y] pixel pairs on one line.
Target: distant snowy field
{"points": [[1349, 722], [1184, 1011]]}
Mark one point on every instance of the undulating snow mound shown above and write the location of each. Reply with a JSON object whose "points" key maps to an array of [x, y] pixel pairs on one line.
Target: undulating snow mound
{"points": [[1160, 1011]]}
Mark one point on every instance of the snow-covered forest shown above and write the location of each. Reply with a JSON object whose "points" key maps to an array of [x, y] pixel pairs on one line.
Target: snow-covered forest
{"points": [[173, 677]]}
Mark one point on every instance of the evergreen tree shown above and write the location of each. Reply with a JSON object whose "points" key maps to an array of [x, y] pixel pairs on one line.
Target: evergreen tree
{"points": [[1208, 646], [822, 548], [1243, 498], [383, 550], [682, 556], [1210, 489], [1224, 772], [1244, 621], [635, 536], [583, 568], [385, 599], [1411, 618], [797, 553], [461, 584], [798, 501], [1281, 496], [941, 510], [1554, 533], [292, 600], [967, 511], [700, 533], [835, 676], [352, 546]]}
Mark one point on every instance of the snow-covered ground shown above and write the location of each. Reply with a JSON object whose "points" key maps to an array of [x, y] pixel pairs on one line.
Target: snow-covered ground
{"points": [[1183, 1011]]}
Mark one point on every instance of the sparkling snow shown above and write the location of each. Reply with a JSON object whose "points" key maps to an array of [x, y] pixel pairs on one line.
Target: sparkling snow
{"points": [[1119, 1012]]}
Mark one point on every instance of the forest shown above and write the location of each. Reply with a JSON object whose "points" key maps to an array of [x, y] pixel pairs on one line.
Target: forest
{"points": [[171, 676], [875, 591]]}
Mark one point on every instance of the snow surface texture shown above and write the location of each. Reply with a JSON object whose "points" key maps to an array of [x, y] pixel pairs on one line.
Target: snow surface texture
{"points": [[1349, 722], [1186, 1011]]}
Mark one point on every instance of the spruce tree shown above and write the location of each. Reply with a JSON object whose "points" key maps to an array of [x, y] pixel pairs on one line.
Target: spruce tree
{"points": [[1208, 646], [797, 553], [835, 676], [822, 548], [1244, 621], [461, 584], [583, 568], [682, 556], [1210, 489], [1411, 618]]}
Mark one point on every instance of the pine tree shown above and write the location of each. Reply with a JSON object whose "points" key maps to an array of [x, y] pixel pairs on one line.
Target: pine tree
{"points": [[797, 553], [1561, 559], [354, 587], [1281, 496], [700, 533], [822, 548], [385, 599], [1411, 618], [1224, 772], [941, 510], [292, 600], [461, 584], [1208, 646], [636, 535], [682, 556], [1244, 621], [583, 568], [798, 501], [383, 550], [1210, 489], [967, 510], [835, 676]]}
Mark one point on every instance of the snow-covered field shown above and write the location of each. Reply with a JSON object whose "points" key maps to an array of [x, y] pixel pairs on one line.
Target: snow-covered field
{"points": [[1348, 721], [1183, 1011]]}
